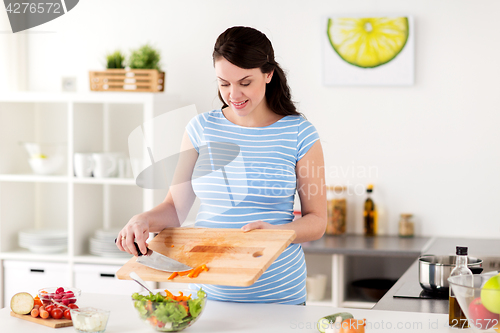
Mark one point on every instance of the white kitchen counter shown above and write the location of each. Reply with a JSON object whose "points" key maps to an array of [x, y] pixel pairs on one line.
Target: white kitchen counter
{"points": [[223, 317]]}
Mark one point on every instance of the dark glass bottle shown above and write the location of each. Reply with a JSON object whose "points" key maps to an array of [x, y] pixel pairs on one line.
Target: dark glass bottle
{"points": [[370, 214], [456, 317]]}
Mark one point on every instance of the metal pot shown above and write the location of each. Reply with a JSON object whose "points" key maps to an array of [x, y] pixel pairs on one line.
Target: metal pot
{"points": [[433, 271]]}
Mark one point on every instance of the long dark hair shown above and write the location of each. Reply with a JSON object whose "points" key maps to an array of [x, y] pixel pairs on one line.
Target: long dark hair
{"points": [[249, 48]]}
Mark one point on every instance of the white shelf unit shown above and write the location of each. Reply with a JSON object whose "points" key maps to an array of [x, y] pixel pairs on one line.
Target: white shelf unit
{"points": [[342, 269], [85, 122]]}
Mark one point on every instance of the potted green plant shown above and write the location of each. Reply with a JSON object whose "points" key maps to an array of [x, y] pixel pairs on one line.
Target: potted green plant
{"points": [[142, 74], [145, 57], [115, 60]]}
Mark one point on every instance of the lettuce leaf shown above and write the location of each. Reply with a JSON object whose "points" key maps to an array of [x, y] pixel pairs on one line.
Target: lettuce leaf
{"points": [[196, 305], [167, 310], [170, 312]]}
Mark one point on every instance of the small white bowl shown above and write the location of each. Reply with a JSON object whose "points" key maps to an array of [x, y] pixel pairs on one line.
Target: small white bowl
{"points": [[89, 320], [46, 166], [45, 158]]}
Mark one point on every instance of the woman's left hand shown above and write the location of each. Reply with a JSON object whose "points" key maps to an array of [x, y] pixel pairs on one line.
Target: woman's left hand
{"points": [[257, 225]]}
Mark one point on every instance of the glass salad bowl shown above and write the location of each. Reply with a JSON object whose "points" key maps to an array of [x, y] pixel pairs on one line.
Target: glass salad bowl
{"points": [[170, 312]]}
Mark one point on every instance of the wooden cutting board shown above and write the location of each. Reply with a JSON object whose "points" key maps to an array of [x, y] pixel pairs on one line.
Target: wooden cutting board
{"points": [[234, 257], [50, 322]]}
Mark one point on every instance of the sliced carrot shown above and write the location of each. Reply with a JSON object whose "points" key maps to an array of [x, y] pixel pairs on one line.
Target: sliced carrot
{"points": [[192, 273], [184, 273], [172, 245], [195, 272], [169, 294], [179, 298], [176, 298]]}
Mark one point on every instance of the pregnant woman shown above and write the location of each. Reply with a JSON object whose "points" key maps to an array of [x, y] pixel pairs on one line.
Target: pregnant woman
{"points": [[279, 154]]}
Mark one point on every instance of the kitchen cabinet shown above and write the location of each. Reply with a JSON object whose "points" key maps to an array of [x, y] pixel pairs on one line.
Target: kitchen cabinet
{"points": [[30, 276], [344, 259], [83, 122], [101, 279]]}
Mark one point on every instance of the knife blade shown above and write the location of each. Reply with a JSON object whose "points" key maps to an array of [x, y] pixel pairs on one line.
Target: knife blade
{"points": [[159, 261]]}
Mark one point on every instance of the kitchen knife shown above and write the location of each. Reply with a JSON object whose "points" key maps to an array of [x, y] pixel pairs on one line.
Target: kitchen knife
{"points": [[159, 261]]}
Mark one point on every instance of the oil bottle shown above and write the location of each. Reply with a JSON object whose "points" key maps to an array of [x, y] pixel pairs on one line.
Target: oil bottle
{"points": [[456, 317], [370, 213]]}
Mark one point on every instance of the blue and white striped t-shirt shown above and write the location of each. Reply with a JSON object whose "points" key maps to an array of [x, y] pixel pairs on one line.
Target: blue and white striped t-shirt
{"points": [[247, 174]]}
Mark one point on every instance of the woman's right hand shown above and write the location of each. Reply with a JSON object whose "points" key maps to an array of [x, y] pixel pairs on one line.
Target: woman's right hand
{"points": [[137, 229]]}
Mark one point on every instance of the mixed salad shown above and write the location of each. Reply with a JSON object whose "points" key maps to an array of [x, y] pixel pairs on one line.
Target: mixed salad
{"points": [[169, 312]]}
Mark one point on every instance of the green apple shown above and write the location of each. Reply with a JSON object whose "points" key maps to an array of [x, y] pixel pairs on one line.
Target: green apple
{"points": [[490, 294]]}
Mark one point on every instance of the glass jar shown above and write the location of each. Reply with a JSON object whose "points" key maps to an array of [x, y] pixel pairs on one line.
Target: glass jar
{"points": [[406, 226], [337, 208]]}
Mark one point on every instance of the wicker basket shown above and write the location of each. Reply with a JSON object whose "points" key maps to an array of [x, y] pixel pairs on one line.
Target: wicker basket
{"points": [[136, 80]]}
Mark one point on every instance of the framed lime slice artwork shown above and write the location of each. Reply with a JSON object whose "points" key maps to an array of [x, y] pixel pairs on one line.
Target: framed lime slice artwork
{"points": [[368, 42], [369, 50]]}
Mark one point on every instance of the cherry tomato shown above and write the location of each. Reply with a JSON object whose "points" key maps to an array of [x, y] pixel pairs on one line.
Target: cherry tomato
{"points": [[73, 306], [67, 314], [56, 313], [59, 290], [49, 308]]}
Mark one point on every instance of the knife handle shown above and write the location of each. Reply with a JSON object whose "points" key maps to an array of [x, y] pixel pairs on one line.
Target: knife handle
{"points": [[139, 253]]}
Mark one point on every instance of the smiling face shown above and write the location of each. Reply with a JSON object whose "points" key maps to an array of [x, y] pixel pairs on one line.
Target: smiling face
{"points": [[243, 90]]}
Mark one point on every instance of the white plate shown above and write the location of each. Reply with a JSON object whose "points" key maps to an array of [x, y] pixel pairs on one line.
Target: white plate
{"points": [[107, 234], [28, 245], [44, 233], [118, 254], [48, 249], [102, 245], [42, 240]]}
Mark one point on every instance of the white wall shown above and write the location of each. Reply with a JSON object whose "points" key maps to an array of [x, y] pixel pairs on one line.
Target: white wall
{"points": [[13, 57], [433, 149]]}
